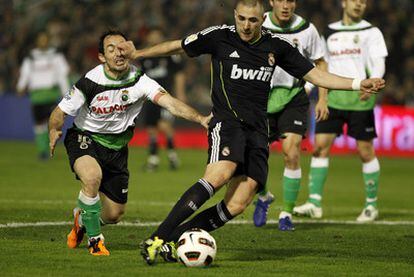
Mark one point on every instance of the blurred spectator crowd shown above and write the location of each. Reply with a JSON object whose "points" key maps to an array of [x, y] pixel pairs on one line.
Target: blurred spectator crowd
{"points": [[75, 26]]}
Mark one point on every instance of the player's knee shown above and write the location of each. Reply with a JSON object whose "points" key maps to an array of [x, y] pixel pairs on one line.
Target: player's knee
{"points": [[292, 159], [236, 208], [92, 181], [113, 217]]}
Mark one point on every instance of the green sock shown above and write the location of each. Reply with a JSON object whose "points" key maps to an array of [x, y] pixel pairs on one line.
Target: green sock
{"points": [[291, 185], [371, 173], [42, 139], [90, 214], [317, 178]]}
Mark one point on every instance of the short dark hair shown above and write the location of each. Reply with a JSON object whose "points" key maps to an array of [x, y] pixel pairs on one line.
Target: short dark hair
{"points": [[106, 34], [250, 3]]}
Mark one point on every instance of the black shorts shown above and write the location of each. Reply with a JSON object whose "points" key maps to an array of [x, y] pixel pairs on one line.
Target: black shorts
{"points": [[154, 113], [292, 119], [114, 164], [231, 140], [361, 124], [41, 112]]}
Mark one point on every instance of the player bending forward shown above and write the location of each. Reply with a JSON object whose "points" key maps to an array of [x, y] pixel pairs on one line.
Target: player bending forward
{"points": [[105, 102]]}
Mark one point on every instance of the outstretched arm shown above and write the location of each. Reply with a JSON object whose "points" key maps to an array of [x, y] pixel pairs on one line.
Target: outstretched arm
{"points": [[167, 48], [56, 120], [178, 108], [331, 81]]}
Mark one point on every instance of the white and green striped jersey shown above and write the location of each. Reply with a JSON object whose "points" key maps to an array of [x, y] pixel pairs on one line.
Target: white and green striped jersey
{"points": [[351, 50], [45, 74], [306, 38], [107, 107]]}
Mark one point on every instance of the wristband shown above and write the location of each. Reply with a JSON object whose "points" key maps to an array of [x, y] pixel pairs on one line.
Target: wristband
{"points": [[356, 84]]}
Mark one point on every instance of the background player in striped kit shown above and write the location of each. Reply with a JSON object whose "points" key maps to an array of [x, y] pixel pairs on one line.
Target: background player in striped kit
{"points": [[289, 104], [106, 102], [355, 49], [44, 74]]}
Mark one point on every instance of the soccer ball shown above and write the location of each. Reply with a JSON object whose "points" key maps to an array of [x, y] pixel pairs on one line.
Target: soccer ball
{"points": [[196, 248]]}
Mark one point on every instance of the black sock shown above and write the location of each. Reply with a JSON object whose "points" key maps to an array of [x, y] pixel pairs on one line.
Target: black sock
{"points": [[170, 143], [153, 145], [208, 220], [189, 202]]}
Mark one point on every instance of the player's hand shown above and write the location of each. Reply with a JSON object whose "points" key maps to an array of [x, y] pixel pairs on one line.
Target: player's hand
{"points": [[205, 120], [373, 85], [321, 110], [54, 136], [127, 49]]}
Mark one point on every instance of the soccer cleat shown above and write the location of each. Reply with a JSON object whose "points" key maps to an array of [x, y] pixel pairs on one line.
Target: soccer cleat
{"points": [[152, 164], [168, 252], [75, 236], [308, 209], [150, 249], [369, 214], [285, 222], [261, 210], [173, 160], [97, 247]]}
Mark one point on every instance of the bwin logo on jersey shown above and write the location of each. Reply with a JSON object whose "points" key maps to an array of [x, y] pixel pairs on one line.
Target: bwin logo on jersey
{"points": [[264, 74]]}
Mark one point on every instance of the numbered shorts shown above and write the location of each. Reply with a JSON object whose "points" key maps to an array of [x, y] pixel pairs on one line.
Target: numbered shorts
{"points": [[230, 140], [154, 113], [292, 119], [114, 164], [361, 124]]}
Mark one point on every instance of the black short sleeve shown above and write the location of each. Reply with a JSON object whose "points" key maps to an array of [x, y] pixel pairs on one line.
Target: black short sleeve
{"points": [[291, 60], [204, 42]]}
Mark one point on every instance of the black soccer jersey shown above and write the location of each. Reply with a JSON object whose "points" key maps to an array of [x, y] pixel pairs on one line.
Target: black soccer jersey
{"points": [[163, 69], [242, 71]]}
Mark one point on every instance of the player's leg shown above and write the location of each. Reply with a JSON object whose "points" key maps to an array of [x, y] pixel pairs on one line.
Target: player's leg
{"points": [[291, 178], [362, 128], [112, 211], [41, 113], [226, 149], [326, 131], [83, 160], [239, 194], [165, 125], [152, 115]]}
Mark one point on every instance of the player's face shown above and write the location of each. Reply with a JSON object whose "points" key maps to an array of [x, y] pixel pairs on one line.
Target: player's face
{"points": [[354, 8], [249, 21], [112, 56], [283, 10]]}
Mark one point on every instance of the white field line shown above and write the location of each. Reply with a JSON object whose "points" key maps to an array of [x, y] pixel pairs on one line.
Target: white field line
{"points": [[170, 204], [235, 222]]}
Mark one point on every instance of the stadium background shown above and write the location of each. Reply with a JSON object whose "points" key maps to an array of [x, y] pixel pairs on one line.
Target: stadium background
{"points": [[75, 26]]}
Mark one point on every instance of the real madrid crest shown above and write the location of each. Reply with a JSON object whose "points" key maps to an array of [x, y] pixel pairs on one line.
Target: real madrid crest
{"points": [[124, 95], [271, 59], [356, 39], [295, 41], [226, 151]]}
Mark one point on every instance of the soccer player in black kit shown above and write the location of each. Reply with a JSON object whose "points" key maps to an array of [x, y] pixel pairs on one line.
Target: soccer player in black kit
{"points": [[243, 59]]}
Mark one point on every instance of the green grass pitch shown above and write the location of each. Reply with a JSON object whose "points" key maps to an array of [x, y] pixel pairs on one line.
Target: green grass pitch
{"points": [[33, 192]]}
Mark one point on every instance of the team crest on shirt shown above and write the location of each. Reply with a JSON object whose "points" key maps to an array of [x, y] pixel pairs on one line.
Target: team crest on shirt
{"points": [[226, 151], [295, 41], [190, 39], [356, 39], [271, 59], [124, 96]]}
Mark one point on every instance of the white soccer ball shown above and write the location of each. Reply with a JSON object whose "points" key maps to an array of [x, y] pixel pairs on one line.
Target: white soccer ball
{"points": [[196, 248]]}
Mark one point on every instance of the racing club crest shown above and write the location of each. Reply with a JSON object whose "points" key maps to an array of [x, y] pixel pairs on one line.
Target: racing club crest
{"points": [[124, 96]]}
